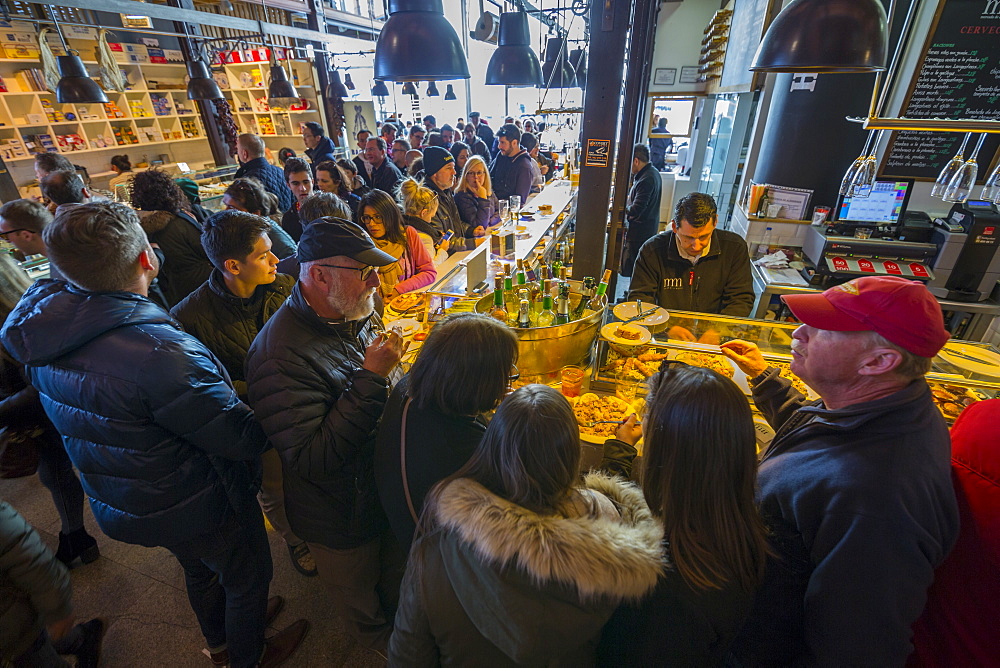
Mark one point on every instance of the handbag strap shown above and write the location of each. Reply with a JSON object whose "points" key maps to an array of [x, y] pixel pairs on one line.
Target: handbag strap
{"points": [[402, 462]]}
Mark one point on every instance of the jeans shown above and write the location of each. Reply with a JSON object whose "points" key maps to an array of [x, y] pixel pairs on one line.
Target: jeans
{"points": [[272, 497], [227, 587], [57, 474]]}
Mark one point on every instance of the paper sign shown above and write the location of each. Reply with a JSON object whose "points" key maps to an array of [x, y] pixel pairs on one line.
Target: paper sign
{"points": [[598, 152]]}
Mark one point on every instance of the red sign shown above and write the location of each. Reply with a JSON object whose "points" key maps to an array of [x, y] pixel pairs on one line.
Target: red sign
{"points": [[892, 268], [866, 266], [988, 230], [919, 270], [839, 264]]}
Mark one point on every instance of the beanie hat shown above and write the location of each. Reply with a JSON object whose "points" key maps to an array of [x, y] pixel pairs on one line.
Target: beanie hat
{"points": [[436, 157]]}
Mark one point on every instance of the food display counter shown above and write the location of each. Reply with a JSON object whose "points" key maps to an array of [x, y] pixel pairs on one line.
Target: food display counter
{"points": [[963, 373]]}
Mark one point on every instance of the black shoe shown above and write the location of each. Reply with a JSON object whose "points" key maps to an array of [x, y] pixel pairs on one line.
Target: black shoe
{"points": [[302, 559], [89, 653], [77, 545]]}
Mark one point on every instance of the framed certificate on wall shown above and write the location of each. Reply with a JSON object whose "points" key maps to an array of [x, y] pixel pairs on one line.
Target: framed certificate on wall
{"points": [[665, 76]]}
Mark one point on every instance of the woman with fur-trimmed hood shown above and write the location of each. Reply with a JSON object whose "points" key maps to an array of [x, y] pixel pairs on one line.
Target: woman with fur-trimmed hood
{"points": [[518, 562]]}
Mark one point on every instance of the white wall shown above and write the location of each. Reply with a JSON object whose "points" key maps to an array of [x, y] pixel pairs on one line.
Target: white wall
{"points": [[680, 27]]}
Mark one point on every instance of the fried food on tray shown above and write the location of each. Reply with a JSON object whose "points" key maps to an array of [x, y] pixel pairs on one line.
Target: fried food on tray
{"points": [[591, 408], [628, 334], [786, 372], [634, 368], [951, 400], [406, 301], [716, 363]]}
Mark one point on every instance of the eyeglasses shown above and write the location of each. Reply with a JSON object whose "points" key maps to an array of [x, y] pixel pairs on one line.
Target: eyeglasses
{"points": [[3, 235], [364, 271], [515, 375], [371, 219]]}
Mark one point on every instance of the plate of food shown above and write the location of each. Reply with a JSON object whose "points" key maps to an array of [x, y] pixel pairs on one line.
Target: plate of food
{"points": [[717, 363], [590, 408], [655, 322], [951, 400], [971, 358], [405, 326], [626, 335], [638, 367], [406, 301]]}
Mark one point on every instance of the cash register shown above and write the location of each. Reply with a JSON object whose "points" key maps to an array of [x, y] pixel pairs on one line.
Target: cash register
{"points": [[872, 236], [967, 264]]}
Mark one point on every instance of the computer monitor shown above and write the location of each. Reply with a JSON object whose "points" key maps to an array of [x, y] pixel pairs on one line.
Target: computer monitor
{"points": [[885, 204]]}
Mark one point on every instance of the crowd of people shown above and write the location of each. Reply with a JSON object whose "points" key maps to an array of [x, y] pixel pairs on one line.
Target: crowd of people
{"points": [[200, 380]]}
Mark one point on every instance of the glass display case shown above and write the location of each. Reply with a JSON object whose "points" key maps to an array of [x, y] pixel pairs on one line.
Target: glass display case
{"points": [[963, 373]]}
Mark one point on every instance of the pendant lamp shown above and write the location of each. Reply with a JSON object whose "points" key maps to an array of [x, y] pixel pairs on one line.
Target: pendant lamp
{"points": [[336, 87], [513, 62], [281, 92], [418, 43], [556, 70], [578, 60], [825, 36], [201, 85], [449, 94], [380, 89], [432, 90], [409, 89], [347, 81], [75, 85]]}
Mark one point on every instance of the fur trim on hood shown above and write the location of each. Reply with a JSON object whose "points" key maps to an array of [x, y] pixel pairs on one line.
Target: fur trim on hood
{"points": [[154, 221], [598, 557]]}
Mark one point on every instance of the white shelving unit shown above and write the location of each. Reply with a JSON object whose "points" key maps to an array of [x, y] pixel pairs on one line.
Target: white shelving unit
{"points": [[245, 86]]}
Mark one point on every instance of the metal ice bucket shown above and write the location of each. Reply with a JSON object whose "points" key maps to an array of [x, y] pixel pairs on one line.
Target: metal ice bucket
{"points": [[545, 350]]}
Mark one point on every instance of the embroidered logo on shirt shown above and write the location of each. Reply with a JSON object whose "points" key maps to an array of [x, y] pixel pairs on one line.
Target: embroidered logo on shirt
{"points": [[673, 283]]}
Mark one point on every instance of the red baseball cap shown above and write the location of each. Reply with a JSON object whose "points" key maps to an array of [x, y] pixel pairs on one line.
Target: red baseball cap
{"points": [[902, 311]]}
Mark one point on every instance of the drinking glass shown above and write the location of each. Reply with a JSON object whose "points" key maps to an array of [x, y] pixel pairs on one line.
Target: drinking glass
{"points": [[955, 164], [515, 206], [991, 189], [964, 180], [504, 210], [847, 184]]}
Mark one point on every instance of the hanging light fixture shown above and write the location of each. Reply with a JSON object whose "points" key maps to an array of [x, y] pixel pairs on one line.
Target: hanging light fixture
{"points": [[409, 89], [280, 92], [432, 90], [556, 70], [578, 60], [449, 94], [347, 81], [825, 36], [513, 62], [336, 87], [380, 89], [75, 85], [201, 85], [418, 43]]}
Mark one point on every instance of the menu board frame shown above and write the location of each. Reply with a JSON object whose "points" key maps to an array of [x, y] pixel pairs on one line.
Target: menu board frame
{"points": [[991, 148]]}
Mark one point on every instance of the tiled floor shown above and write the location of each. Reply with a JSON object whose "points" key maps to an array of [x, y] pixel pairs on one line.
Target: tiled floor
{"points": [[140, 593]]}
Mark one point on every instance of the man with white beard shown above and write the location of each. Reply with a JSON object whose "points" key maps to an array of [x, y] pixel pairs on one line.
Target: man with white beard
{"points": [[319, 375]]}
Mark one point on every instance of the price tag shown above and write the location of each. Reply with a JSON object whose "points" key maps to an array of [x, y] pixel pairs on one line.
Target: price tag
{"points": [[892, 268], [839, 264], [919, 270], [866, 266]]}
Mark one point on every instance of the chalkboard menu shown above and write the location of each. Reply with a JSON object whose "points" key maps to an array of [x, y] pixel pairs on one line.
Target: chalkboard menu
{"points": [[958, 77]]}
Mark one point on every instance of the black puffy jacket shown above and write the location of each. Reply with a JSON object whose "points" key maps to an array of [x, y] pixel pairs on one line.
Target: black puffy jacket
{"points": [[226, 324], [147, 412], [319, 409], [185, 265]]}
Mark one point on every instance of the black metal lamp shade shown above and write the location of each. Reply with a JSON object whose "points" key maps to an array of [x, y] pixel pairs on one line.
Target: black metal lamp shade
{"points": [[281, 91], [556, 70], [578, 60], [514, 63], [201, 85], [75, 85], [432, 90], [380, 89], [418, 43], [336, 87], [409, 89], [449, 94], [825, 36]]}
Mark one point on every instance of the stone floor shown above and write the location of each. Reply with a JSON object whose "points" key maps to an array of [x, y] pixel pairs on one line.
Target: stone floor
{"points": [[140, 593]]}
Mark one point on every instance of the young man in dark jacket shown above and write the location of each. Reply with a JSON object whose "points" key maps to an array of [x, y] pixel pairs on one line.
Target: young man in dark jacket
{"points": [[319, 374], [855, 487], [253, 165], [300, 181], [694, 266], [226, 313], [319, 148], [511, 169], [642, 210], [166, 450]]}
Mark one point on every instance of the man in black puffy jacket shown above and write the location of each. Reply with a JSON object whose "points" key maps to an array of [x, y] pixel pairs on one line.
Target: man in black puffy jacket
{"points": [[319, 374], [167, 452], [225, 314]]}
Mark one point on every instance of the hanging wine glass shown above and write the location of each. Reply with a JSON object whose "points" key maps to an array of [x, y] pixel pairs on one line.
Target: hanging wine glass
{"points": [[944, 178], [847, 184], [991, 189], [964, 180], [863, 180]]}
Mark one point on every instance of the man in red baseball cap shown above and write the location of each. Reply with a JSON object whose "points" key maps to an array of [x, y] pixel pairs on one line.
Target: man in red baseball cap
{"points": [[855, 486]]}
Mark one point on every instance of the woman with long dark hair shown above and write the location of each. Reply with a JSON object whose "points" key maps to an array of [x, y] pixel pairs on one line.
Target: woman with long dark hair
{"points": [[463, 372], [165, 216], [330, 178], [414, 268], [698, 476], [518, 561]]}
